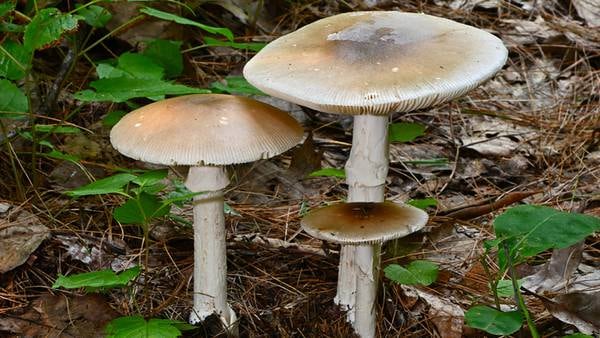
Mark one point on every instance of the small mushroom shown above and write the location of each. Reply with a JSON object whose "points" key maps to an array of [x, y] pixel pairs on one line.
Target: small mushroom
{"points": [[206, 132], [361, 224], [372, 64]]}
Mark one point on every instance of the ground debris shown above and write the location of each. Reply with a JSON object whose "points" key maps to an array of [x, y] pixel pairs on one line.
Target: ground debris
{"points": [[21, 232], [61, 316]]}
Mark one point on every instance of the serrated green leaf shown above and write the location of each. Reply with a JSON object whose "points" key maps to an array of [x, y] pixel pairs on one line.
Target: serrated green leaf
{"points": [[183, 21], [138, 327], [405, 131], [493, 321], [423, 203], [97, 279], [528, 230], [46, 27], [138, 66], [151, 177], [113, 117], [6, 7], [234, 84], [56, 129], [140, 209], [108, 185], [328, 172], [15, 60], [253, 46], [12, 100], [106, 71], [122, 89], [167, 54], [94, 16], [417, 272]]}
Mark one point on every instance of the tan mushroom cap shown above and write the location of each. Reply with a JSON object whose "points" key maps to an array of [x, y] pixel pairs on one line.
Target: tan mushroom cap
{"points": [[362, 222], [376, 62], [205, 129]]}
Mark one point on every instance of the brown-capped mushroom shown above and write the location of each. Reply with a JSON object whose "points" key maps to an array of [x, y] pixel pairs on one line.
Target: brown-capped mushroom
{"points": [[206, 132]]}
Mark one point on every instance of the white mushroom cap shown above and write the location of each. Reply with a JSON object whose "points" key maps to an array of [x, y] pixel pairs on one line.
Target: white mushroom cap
{"points": [[376, 62], [363, 222], [205, 129]]}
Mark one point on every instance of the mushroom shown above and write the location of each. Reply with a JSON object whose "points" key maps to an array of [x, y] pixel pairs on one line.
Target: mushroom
{"points": [[360, 224], [206, 132], [372, 64]]}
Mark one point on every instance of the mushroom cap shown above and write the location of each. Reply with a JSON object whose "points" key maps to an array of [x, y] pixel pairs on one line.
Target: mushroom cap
{"points": [[363, 222], [376, 63], [205, 129]]}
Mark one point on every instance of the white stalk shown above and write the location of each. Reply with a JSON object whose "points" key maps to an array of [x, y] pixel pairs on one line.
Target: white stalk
{"points": [[210, 258], [366, 171]]}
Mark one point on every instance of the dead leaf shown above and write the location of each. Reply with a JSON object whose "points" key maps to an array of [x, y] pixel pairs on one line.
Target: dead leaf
{"points": [[21, 232], [447, 317], [577, 308], [589, 10], [556, 273], [306, 158], [61, 316]]}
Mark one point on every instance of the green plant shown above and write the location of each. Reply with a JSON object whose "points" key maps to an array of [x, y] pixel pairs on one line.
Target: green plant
{"points": [[138, 327], [416, 273], [97, 280], [523, 232]]}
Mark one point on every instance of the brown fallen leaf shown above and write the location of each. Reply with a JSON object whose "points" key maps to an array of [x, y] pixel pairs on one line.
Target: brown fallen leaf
{"points": [[486, 206], [21, 232], [61, 316], [556, 273], [577, 308]]}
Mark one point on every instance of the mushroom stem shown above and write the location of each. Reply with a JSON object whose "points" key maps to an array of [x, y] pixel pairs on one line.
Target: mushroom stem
{"points": [[366, 171], [210, 258], [367, 261]]}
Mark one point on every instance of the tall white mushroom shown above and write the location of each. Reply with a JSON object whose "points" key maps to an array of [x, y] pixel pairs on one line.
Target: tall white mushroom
{"points": [[206, 132], [372, 64]]}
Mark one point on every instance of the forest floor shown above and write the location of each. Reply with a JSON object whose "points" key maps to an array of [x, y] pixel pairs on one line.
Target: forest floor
{"points": [[529, 135]]}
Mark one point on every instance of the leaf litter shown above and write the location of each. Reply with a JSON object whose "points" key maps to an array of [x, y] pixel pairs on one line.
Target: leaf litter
{"points": [[534, 128]]}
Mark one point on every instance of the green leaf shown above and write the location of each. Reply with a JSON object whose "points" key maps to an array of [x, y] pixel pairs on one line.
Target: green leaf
{"points": [[417, 272], [328, 172], [106, 71], [183, 21], [97, 279], [61, 156], [138, 327], [113, 117], [9, 53], [151, 177], [108, 185], [228, 210], [528, 230], [56, 129], [138, 66], [12, 100], [423, 203], [578, 335], [493, 321], [140, 209], [167, 54], [505, 288], [235, 85], [47, 26], [94, 16], [405, 132], [253, 46], [122, 89], [6, 7]]}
